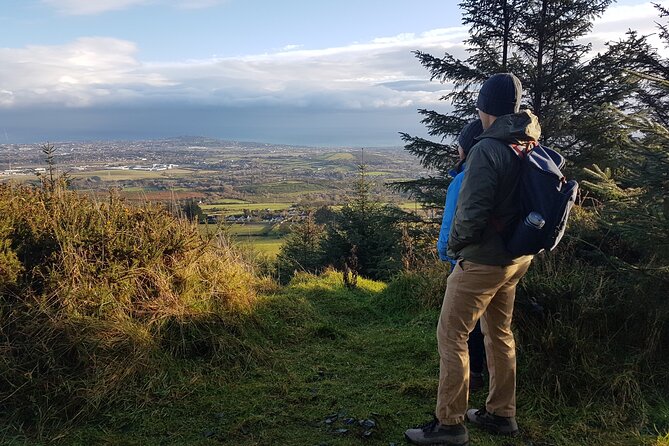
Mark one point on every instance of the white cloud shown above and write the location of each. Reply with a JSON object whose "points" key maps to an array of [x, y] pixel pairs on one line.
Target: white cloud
{"points": [[618, 19], [626, 14], [196, 4], [74, 74], [291, 47], [96, 70], [381, 73], [89, 7], [362, 75], [92, 7]]}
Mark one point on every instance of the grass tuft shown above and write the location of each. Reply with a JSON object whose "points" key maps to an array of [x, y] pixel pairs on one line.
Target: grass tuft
{"points": [[95, 295]]}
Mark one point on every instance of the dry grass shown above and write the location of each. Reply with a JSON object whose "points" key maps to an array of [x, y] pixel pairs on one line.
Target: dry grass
{"points": [[95, 294]]}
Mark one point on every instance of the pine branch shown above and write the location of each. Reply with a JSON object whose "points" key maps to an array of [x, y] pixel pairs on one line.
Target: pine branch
{"points": [[430, 154]]}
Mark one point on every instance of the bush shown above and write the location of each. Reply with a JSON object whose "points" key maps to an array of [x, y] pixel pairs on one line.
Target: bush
{"points": [[606, 327], [94, 295], [409, 291]]}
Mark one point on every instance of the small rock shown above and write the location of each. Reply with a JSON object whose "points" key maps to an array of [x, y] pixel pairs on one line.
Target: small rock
{"points": [[367, 434], [207, 433], [219, 415], [350, 421], [368, 424], [341, 431]]}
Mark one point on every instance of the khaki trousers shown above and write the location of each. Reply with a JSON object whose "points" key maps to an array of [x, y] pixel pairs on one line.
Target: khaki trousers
{"points": [[487, 292]]}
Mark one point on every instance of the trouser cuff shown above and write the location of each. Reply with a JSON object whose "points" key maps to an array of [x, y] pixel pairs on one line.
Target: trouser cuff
{"points": [[452, 421], [502, 413]]}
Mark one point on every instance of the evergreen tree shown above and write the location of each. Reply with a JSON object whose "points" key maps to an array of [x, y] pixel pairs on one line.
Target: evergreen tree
{"points": [[324, 215], [301, 250], [365, 237], [52, 181], [192, 211], [493, 26], [636, 192], [539, 41], [549, 54]]}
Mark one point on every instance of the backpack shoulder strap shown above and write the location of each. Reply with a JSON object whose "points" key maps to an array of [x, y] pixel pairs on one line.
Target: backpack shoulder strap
{"points": [[522, 150]]}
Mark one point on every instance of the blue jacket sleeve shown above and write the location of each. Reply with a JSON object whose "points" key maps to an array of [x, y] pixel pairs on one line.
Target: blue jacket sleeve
{"points": [[447, 219]]}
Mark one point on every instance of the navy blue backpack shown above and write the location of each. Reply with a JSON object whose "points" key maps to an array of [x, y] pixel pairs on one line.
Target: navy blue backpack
{"points": [[545, 196]]}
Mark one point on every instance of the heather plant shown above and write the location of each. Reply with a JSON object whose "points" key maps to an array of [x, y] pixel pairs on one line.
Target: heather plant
{"points": [[96, 295]]}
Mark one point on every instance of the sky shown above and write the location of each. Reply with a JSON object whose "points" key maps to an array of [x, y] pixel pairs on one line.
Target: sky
{"points": [[307, 72]]}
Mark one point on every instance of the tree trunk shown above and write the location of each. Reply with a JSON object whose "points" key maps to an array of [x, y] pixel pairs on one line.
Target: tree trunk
{"points": [[507, 32], [538, 88]]}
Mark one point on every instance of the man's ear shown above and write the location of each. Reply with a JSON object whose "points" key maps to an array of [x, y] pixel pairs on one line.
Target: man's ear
{"points": [[486, 119]]}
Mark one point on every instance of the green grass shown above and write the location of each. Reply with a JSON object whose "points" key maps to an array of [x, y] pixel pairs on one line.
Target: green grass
{"points": [[331, 354], [410, 206], [342, 156], [283, 188], [248, 229], [256, 236], [121, 175], [265, 245], [235, 230], [238, 208], [229, 201]]}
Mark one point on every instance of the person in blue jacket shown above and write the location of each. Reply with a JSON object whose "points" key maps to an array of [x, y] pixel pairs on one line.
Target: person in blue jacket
{"points": [[466, 141]]}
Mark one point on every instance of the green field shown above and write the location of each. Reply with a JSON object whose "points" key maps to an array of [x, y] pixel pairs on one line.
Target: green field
{"points": [[265, 245], [410, 206], [238, 208], [249, 235], [125, 175], [284, 187], [228, 201], [343, 156], [248, 229], [237, 230]]}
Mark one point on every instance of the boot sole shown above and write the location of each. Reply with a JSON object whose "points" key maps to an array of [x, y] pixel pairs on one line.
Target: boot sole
{"points": [[437, 444], [406, 437]]}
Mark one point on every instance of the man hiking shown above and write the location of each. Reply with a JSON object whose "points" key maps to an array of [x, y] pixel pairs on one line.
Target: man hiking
{"points": [[483, 282], [466, 141]]}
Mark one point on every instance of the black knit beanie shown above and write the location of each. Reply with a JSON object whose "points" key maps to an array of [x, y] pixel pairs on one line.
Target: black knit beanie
{"points": [[468, 133], [500, 95]]}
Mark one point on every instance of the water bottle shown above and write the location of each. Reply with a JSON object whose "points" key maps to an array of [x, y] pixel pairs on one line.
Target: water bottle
{"points": [[535, 220]]}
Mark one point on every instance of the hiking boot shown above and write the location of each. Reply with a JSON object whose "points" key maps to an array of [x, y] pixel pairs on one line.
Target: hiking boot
{"points": [[435, 433], [476, 382], [493, 423]]}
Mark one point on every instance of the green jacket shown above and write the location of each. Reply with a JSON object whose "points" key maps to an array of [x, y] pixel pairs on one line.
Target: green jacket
{"points": [[487, 203]]}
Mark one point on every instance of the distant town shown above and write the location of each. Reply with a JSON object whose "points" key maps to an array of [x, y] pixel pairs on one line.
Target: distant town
{"points": [[231, 181]]}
